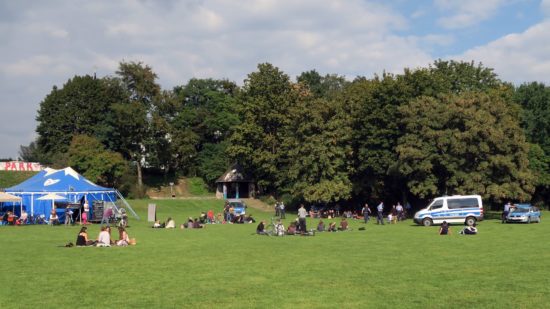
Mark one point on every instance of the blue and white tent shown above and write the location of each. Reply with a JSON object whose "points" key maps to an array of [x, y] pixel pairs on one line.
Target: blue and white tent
{"points": [[64, 182]]}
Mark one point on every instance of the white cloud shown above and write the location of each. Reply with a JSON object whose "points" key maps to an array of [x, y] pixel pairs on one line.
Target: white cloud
{"points": [[466, 13], [35, 65], [45, 45], [124, 29], [520, 57], [545, 6]]}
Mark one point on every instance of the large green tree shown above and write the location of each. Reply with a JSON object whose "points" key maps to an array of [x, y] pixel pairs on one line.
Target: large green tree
{"points": [[204, 119], [373, 105], [81, 106], [316, 149], [132, 115], [255, 142], [534, 98], [466, 143], [87, 155], [327, 86]]}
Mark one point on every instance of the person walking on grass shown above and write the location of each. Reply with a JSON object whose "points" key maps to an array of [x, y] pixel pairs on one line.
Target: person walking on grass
{"points": [[282, 209], [380, 214], [399, 208], [68, 216], [366, 212], [277, 209], [302, 213], [505, 212]]}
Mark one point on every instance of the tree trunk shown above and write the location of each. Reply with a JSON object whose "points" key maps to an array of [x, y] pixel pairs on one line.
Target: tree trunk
{"points": [[139, 175]]}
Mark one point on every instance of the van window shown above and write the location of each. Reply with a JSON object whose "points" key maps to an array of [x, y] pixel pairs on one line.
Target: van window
{"points": [[436, 204], [462, 203]]}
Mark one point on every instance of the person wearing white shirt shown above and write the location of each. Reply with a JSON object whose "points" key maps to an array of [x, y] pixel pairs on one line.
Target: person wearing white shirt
{"points": [[505, 212], [302, 213], [104, 238]]}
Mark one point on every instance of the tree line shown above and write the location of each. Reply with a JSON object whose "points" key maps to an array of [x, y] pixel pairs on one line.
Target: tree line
{"points": [[449, 128]]}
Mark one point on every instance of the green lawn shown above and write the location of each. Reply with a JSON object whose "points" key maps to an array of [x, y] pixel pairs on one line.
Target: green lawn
{"points": [[12, 178], [227, 266]]}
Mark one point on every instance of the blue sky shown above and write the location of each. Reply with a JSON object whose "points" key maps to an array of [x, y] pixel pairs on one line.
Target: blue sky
{"points": [[44, 43]]}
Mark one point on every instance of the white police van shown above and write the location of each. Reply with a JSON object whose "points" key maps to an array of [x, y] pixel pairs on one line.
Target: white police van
{"points": [[465, 209]]}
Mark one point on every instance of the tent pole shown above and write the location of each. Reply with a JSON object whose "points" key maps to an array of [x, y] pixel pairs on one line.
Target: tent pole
{"points": [[126, 204]]}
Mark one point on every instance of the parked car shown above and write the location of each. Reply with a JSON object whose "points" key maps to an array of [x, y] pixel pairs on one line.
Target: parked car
{"points": [[463, 209], [523, 213], [239, 207]]}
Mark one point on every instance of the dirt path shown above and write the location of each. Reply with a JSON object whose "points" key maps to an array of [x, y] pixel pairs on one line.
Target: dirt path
{"points": [[180, 190]]}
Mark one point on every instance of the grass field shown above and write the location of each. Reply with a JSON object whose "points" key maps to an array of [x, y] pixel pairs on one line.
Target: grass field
{"points": [[227, 266]]}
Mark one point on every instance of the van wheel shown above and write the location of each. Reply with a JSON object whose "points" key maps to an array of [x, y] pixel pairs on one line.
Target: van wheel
{"points": [[427, 222], [470, 221]]}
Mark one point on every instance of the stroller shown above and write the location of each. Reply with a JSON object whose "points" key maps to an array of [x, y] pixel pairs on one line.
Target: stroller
{"points": [[121, 218]]}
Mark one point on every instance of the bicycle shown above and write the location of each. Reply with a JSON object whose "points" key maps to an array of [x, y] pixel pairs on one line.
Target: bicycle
{"points": [[270, 228], [273, 229]]}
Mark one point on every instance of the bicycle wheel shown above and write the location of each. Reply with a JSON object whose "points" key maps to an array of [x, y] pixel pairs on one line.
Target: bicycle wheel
{"points": [[270, 229]]}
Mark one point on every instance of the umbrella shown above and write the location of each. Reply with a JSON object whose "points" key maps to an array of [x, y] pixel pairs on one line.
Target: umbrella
{"points": [[6, 197], [53, 197]]}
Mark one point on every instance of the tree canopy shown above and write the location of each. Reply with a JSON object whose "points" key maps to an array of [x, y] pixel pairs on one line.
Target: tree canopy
{"points": [[452, 127]]}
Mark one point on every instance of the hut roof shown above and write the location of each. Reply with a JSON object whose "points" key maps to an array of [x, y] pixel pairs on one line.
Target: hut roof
{"points": [[235, 174]]}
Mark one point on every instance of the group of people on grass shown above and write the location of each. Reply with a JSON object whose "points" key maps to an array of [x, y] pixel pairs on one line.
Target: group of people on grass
{"points": [[445, 229], [396, 213], [10, 218], [104, 238], [190, 223], [204, 219], [299, 227]]}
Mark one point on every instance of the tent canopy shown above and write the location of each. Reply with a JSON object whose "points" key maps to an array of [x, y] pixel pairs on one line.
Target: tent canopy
{"points": [[67, 184], [6, 197], [51, 180], [36, 192]]}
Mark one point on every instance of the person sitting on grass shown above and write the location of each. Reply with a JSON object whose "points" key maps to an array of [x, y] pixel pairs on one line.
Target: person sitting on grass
{"points": [[104, 238], [238, 219], [24, 217], [279, 228], [82, 238], [123, 239], [291, 229], [202, 217], [469, 230], [260, 229], [197, 225], [321, 226], [170, 224], [54, 219], [249, 219], [332, 227], [343, 225], [445, 229], [189, 223], [157, 224], [210, 216]]}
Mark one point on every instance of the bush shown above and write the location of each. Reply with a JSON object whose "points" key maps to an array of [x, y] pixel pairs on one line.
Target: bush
{"points": [[197, 186]]}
